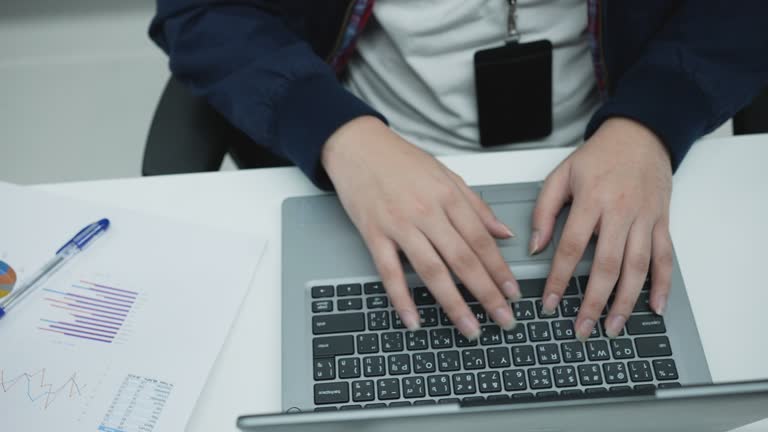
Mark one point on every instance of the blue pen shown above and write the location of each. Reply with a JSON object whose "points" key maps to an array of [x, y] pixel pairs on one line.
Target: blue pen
{"points": [[63, 255]]}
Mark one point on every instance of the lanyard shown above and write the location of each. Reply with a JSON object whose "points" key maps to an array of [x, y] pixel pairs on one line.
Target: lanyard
{"points": [[513, 36]]}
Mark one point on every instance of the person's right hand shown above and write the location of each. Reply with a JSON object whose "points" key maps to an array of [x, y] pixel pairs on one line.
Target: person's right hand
{"points": [[399, 197]]}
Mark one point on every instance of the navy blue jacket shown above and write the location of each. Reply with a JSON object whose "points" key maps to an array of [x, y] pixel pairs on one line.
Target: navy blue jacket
{"points": [[680, 67]]}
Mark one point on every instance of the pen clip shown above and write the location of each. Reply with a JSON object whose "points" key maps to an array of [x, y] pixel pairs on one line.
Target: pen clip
{"points": [[82, 238]]}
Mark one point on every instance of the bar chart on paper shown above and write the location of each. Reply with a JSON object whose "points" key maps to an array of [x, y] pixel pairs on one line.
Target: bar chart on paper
{"points": [[88, 311]]}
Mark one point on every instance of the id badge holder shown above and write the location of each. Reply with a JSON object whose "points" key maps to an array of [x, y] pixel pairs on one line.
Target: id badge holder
{"points": [[513, 84]]}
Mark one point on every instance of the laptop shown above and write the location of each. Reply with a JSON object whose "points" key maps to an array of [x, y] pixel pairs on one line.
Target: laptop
{"points": [[348, 361]]}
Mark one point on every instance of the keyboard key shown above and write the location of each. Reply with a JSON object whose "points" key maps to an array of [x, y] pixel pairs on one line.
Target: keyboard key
{"points": [[416, 340], [399, 364], [338, 323], [473, 359], [375, 405], [349, 367], [615, 373], [490, 335], [532, 287], [565, 376], [377, 302], [522, 396], [326, 408], [572, 289], [516, 335], [464, 383], [589, 375], [539, 305], [331, 346], [640, 371], [428, 317], [595, 333], [548, 353], [479, 312], [669, 385], [448, 361], [602, 325], [643, 303], [539, 378], [388, 388], [378, 320], [331, 393], [563, 330], [644, 387], [472, 399], [439, 385], [462, 341], [399, 404], [424, 402], [569, 306], [322, 291], [523, 355], [573, 392], [362, 391], [350, 407], [653, 346], [374, 366], [514, 380], [441, 338], [573, 352], [546, 394], [367, 343], [392, 342], [597, 350], [448, 401], [422, 296], [397, 323], [622, 349], [665, 369], [498, 357], [423, 362], [413, 387], [489, 382], [324, 369], [465, 294], [596, 390], [583, 280], [498, 397], [349, 290], [444, 320], [645, 324], [322, 306], [539, 331], [350, 304], [374, 288], [524, 310]]}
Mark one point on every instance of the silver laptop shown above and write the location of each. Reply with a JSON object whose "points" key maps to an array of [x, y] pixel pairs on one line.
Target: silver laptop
{"points": [[348, 359]]}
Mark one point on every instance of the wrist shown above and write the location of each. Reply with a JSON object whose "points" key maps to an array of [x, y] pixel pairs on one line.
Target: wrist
{"points": [[355, 133], [627, 129]]}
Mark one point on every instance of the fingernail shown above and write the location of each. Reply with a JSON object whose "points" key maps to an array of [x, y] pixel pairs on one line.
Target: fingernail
{"points": [[469, 327], [504, 318], [509, 232], [512, 291], [585, 329], [662, 304], [533, 247], [410, 319], [614, 325], [550, 304]]}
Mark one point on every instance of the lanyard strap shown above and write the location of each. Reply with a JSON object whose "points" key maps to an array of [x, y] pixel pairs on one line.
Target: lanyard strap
{"points": [[513, 36]]}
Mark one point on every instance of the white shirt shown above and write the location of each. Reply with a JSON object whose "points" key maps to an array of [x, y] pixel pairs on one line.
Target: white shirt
{"points": [[414, 64]]}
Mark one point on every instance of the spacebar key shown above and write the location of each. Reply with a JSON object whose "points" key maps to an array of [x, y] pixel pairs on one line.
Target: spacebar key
{"points": [[338, 323]]}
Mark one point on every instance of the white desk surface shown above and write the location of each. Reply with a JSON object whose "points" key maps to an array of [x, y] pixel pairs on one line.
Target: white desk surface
{"points": [[719, 203]]}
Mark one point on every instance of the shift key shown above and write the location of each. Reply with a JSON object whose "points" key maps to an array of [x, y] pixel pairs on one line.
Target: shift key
{"points": [[338, 323]]}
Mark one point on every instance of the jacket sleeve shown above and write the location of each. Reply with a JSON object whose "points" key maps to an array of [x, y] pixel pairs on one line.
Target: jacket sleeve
{"points": [[708, 61], [268, 82]]}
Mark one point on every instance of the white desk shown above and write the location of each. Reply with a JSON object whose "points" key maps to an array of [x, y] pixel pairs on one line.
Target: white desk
{"points": [[718, 209]]}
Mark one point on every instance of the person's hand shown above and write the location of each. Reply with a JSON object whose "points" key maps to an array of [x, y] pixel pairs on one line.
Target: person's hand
{"points": [[619, 184], [399, 197]]}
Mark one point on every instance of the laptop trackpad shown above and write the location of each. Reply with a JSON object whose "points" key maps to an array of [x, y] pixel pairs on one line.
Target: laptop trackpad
{"points": [[517, 216]]}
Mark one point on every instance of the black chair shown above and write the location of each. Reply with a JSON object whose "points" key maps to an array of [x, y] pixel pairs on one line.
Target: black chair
{"points": [[187, 135]]}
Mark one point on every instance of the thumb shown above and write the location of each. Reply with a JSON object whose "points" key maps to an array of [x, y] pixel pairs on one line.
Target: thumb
{"points": [[553, 196]]}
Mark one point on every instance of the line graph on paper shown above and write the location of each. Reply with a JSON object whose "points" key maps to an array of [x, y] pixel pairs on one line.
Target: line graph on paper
{"points": [[36, 388], [89, 312]]}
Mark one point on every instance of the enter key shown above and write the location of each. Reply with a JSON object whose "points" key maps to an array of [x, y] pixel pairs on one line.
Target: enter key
{"points": [[645, 324]]}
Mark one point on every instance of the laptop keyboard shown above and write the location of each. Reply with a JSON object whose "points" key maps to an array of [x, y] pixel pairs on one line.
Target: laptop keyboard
{"points": [[363, 357]]}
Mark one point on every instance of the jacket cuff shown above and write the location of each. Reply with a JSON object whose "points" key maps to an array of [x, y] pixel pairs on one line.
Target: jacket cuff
{"points": [[309, 112], [665, 101]]}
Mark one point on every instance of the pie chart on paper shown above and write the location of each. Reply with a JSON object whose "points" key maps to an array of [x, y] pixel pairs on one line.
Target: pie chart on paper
{"points": [[7, 279]]}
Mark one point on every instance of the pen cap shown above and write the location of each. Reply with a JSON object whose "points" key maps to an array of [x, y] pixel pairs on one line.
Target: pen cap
{"points": [[81, 239]]}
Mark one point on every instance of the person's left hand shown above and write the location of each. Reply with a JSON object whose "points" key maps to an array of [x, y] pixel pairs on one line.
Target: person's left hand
{"points": [[619, 184]]}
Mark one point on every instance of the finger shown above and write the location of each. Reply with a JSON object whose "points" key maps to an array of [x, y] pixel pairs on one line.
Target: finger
{"points": [[661, 266], [494, 226], [384, 254], [604, 273], [637, 259], [435, 275], [576, 234], [554, 194], [473, 233], [467, 266]]}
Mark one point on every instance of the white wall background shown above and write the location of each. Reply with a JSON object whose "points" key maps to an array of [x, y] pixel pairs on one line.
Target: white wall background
{"points": [[79, 81]]}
